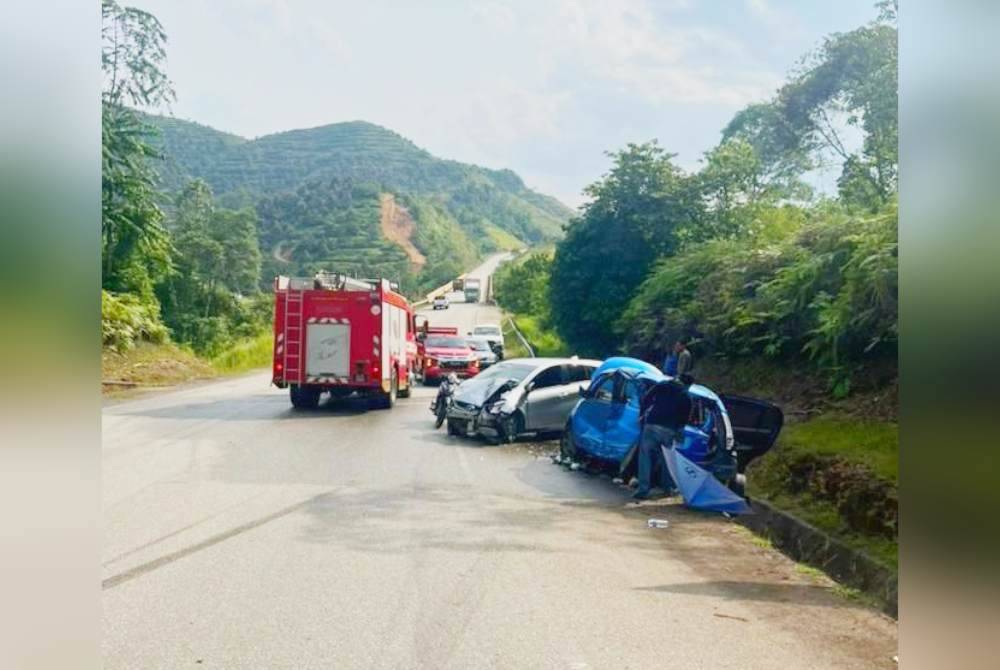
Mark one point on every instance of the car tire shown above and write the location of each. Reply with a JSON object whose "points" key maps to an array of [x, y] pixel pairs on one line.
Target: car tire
{"points": [[304, 397], [567, 446], [739, 485], [513, 427], [387, 400], [405, 392]]}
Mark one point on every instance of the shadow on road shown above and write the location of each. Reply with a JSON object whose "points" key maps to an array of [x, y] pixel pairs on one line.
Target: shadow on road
{"points": [[254, 408], [801, 594]]}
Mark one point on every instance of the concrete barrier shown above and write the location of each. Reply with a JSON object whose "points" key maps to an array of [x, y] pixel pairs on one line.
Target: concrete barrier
{"points": [[807, 544]]}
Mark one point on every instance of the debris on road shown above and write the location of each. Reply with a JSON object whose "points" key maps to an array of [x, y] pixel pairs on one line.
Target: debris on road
{"points": [[729, 616], [657, 523], [618, 480], [575, 466]]}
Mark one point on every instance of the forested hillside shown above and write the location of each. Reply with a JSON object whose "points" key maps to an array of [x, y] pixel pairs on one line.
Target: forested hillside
{"points": [[197, 222], [317, 192], [781, 293]]}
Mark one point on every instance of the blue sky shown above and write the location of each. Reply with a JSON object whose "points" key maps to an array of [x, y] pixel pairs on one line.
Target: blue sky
{"points": [[542, 87]]}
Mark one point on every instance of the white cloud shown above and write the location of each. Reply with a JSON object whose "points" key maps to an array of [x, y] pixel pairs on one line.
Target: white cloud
{"points": [[643, 48], [496, 14], [780, 23]]}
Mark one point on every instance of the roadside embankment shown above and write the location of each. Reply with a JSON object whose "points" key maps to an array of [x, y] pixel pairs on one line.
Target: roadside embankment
{"points": [[153, 365]]}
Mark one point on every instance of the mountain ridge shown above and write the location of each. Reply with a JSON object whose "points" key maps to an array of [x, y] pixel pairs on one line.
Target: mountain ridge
{"points": [[317, 193]]}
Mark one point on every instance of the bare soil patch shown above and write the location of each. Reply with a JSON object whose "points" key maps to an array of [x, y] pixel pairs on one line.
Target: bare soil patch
{"points": [[398, 226]]}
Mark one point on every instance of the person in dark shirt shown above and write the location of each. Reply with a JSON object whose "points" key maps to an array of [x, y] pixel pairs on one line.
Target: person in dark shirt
{"points": [[663, 411], [685, 361]]}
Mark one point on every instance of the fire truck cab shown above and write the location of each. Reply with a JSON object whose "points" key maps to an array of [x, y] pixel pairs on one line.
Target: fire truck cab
{"points": [[342, 335]]}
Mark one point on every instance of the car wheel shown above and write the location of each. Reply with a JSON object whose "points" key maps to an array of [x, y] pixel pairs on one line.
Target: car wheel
{"points": [[387, 400], [405, 392], [304, 397], [513, 427], [739, 485], [567, 446]]}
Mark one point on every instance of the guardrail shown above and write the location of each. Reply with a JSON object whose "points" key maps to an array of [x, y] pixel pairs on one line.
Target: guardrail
{"points": [[520, 336]]}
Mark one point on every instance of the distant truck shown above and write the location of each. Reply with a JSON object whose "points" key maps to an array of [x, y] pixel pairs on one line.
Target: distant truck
{"points": [[341, 335], [472, 292]]}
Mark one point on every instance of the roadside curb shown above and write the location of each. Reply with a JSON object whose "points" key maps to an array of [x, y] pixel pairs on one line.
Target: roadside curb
{"points": [[807, 544]]}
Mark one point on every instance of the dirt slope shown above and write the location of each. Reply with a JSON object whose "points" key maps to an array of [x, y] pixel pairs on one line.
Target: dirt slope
{"points": [[398, 225]]}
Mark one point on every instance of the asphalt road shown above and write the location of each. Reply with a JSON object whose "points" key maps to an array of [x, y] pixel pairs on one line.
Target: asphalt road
{"points": [[242, 534]]}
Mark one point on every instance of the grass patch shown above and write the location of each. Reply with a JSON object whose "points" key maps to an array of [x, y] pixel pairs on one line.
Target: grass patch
{"points": [[824, 516], [249, 354], [512, 343], [839, 475], [503, 240], [544, 341], [874, 444], [148, 364], [168, 364]]}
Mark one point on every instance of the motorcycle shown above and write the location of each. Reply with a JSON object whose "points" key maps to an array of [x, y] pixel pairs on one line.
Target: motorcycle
{"points": [[443, 399]]}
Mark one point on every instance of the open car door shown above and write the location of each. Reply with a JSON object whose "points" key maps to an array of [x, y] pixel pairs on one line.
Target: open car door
{"points": [[756, 424]]}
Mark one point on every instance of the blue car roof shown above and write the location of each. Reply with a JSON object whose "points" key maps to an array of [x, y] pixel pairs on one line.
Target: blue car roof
{"points": [[639, 369], [618, 362]]}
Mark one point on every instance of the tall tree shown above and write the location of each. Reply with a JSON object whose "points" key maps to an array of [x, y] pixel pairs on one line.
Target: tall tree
{"points": [[851, 80], [642, 209], [134, 244]]}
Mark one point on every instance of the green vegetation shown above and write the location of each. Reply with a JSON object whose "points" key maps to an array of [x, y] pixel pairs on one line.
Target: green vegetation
{"points": [[150, 364], [319, 189], [196, 222], [520, 287], [503, 240], [763, 276], [248, 354], [818, 285], [543, 340], [841, 475]]}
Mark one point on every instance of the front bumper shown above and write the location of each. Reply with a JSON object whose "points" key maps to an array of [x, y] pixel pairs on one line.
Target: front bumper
{"points": [[475, 419], [437, 372]]}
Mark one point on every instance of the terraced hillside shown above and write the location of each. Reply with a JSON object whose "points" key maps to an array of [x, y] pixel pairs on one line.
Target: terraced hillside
{"points": [[318, 193]]}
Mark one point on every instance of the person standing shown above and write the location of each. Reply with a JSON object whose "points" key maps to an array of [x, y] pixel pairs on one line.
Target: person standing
{"points": [[685, 361], [663, 411], [670, 363]]}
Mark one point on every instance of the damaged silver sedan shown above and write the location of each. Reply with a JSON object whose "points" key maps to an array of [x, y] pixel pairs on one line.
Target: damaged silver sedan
{"points": [[518, 396]]}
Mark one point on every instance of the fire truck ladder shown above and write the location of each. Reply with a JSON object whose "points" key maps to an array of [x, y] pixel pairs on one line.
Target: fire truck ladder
{"points": [[293, 335]]}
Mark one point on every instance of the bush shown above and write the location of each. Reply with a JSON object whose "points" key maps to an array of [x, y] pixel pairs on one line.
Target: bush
{"points": [[825, 292], [247, 354], [127, 319], [541, 336]]}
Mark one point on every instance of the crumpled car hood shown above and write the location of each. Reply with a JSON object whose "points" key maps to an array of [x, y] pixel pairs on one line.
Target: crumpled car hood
{"points": [[478, 392]]}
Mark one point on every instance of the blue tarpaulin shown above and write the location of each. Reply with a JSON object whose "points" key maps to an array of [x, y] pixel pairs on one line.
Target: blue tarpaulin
{"points": [[699, 487]]}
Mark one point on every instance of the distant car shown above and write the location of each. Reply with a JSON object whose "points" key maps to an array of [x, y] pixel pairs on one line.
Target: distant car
{"points": [[521, 395], [441, 302], [493, 333], [724, 435], [448, 353], [481, 348]]}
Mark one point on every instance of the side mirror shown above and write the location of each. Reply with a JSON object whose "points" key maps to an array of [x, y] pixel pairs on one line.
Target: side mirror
{"points": [[582, 390], [469, 333]]}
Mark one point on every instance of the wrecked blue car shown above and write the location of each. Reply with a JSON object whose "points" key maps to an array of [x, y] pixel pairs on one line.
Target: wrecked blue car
{"points": [[723, 435]]}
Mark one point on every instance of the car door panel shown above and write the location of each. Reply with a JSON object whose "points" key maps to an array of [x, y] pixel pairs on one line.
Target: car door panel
{"points": [[544, 399], [622, 430], [591, 416], [755, 424]]}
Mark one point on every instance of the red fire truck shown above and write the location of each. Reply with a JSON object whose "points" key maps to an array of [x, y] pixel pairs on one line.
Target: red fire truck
{"points": [[344, 336]]}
